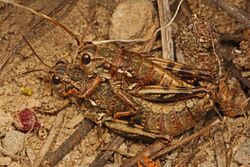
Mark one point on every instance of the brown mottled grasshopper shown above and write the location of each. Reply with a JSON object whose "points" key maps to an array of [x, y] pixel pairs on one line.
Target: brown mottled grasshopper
{"points": [[154, 120]]}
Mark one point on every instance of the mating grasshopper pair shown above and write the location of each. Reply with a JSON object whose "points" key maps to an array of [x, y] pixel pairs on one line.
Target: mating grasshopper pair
{"points": [[157, 97], [152, 120]]}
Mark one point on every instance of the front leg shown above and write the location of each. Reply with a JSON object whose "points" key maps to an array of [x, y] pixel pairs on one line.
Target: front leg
{"points": [[87, 93]]}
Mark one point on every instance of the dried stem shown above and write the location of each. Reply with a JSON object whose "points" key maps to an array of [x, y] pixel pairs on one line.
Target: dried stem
{"points": [[104, 155], [167, 42], [239, 15], [50, 139], [70, 143]]}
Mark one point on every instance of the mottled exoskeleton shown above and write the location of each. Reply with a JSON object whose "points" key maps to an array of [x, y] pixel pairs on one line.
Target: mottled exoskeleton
{"points": [[153, 120]]}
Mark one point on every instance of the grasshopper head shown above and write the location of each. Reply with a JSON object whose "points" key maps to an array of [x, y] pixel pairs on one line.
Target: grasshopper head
{"points": [[66, 77]]}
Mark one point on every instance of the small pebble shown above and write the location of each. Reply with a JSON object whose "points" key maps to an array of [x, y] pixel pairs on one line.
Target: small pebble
{"points": [[123, 148], [42, 133], [13, 141], [89, 159], [5, 161], [106, 137], [93, 140]]}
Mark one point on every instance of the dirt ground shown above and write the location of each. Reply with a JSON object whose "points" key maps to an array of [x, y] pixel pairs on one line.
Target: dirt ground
{"points": [[226, 145]]}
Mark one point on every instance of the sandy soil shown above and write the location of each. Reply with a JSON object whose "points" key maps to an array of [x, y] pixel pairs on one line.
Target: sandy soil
{"points": [[216, 148]]}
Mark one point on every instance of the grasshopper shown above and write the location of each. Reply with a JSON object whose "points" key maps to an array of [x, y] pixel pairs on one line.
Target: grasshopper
{"points": [[154, 120]]}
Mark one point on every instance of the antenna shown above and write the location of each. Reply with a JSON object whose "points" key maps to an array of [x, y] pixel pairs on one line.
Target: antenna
{"points": [[35, 70], [35, 52], [56, 23]]}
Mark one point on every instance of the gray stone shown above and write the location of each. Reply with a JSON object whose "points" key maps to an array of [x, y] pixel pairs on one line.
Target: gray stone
{"points": [[133, 19], [5, 161], [13, 141]]}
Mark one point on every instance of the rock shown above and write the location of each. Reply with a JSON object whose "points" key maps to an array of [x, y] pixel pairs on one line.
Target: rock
{"points": [[106, 137], [13, 141], [242, 154], [5, 122], [5, 161], [133, 19]]}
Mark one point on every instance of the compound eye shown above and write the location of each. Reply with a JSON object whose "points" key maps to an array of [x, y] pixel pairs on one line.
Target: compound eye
{"points": [[56, 80], [60, 62], [85, 58]]}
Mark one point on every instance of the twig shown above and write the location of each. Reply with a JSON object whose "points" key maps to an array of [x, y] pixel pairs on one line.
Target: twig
{"points": [[50, 139], [70, 143], [239, 15], [184, 141], [120, 40], [104, 155], [167, 42], [150, 150], [172, 19]]}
